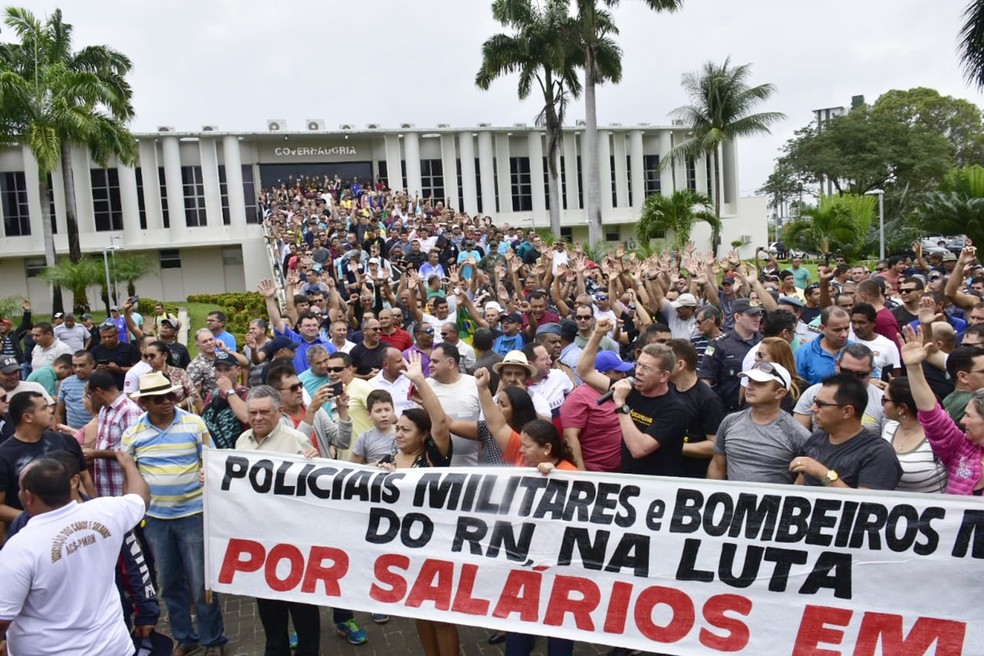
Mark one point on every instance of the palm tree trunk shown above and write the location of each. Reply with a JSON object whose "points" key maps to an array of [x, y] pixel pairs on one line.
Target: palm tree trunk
{"points": [[553, 190], [48, 237], [589, 159], [715, 232], [71, 208]]}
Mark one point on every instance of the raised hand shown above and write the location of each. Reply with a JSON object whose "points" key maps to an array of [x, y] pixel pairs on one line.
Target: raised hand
{"points": [[914, 352], [267, 288], [968, 255], [604, 325], [482, 378], [413, 369]]}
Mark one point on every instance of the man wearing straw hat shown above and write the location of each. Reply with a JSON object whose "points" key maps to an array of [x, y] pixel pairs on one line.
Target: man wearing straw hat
{"points": [[167, 444]]}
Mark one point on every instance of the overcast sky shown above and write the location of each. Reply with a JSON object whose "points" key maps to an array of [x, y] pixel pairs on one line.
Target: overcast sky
{"points": [[236, 63]]}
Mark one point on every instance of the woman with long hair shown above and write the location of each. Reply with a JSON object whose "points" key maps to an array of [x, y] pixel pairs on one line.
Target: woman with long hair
{"points": [[777, 350], [158, 356], [517, 409], [922, 471], [423, 439]]}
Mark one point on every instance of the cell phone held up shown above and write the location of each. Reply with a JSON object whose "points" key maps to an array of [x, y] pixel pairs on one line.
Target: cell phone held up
{"points": [[337, 389]]}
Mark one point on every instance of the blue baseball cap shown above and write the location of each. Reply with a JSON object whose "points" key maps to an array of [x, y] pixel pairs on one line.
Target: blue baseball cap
{"points": [[609, 361]]}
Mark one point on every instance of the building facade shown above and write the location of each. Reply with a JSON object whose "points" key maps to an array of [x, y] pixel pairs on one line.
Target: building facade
{"points": [[189, 204]]}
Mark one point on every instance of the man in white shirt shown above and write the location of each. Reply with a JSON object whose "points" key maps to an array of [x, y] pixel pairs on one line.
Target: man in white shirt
{"points": [[884, 350], [47, 347], [553, 385], [391, 379], [58, 591], [71, 333], [459, 397]]}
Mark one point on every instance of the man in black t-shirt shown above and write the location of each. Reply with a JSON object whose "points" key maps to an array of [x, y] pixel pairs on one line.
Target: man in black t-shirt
{"points": [[651, 415], [704, 410], [114, 356], [33, 418], [841, 453]]}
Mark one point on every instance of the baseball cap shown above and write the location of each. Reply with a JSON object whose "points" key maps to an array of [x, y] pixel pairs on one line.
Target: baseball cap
{"points": [[609, 361], [764, 372], [493, 305], [58, 315], [551, 328], [9, 364], [278, 343], [568, 330], [728, 281], [225, 359], [790, 300], [685, 300], [745, 306], [114, 308], [513, 316], [174, 323]]}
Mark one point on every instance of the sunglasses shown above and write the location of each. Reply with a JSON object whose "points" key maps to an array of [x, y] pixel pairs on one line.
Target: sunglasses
{"points": [[856, 374], [296, 387], [161, 398], [429, 331], [336, 370]]}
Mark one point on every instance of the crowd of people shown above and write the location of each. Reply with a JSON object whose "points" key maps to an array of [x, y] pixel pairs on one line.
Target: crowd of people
{"points": [[412, 335]]}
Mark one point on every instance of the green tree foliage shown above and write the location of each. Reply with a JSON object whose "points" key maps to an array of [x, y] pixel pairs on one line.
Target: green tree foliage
{"points": [[958, 206], [955, 119], [602, 62], [539, 51], [77, 277], [52, 97], [673, 217], [837, 224], [971, 46], [130, 268], [721, 111]]}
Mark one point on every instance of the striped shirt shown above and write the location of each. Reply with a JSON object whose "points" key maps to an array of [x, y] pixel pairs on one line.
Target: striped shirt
{"points": [[922, 471], [114, 419], [170, 461]]}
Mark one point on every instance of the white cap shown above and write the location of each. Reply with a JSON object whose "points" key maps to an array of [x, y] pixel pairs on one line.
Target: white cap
{"points": [[763, 372], [493, 305], [685, 300]]}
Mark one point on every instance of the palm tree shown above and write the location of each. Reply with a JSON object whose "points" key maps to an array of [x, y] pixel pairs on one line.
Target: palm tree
{"points": [[602, 62], [53, 97], [77, 277], [130, 268], [720, 112], [835, 224], [957, 207], [676, 214], [538, 51], [971, 46]]}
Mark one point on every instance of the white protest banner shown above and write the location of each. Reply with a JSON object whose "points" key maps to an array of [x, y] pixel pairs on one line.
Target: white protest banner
{"points": [[666, 565]]}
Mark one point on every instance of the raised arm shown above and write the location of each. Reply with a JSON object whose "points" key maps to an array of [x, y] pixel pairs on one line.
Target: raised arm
{"points": [[586, 363], [440, 425], [269, 291], [494, 419], [953, 290], [913, 354]]}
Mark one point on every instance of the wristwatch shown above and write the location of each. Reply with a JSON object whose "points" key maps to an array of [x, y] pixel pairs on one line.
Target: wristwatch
{"points": [[830, 477], [623, 409]]}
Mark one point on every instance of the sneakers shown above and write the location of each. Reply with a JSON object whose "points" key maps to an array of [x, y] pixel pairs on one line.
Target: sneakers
{"points": [[351, 632], [380, 618]]}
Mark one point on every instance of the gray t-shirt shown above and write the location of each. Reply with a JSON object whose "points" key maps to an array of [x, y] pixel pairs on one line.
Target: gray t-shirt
{"points": [[373, 446], [873, 414], [760, 453]]}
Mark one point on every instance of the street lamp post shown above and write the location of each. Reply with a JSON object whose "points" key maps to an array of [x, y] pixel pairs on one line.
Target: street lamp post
{"points": [[110, 292], [881, 219]]}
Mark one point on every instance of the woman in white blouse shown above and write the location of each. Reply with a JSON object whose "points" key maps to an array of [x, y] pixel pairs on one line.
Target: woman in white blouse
{"points": [[922, 470]]}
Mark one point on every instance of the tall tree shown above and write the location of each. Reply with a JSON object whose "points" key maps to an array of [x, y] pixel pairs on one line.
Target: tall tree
{"points": [[837, 224], [602, 62], [721, 111], [957, 207], [539, 52], [54, 97]]}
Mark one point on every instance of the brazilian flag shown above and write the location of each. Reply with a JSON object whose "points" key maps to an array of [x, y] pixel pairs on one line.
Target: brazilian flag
{"points": [[466, 325]]}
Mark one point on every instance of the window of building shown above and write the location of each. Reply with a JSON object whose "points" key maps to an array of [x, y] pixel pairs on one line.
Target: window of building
{"points": [[432, 179], [628, 176], [16, 211], [495, 182], [650, 165], [141, 202], [382, 171], [107, 208], [232, 256], [34, 266], [461, 189], [193, 187], [691, 174], [562, 180], [170, 258], [580, 185], [224, 196], [403, 171], [614, 184], [567, 233], [250, 197], [164, 214], [478, 186], [612, 235], [521, 186]]}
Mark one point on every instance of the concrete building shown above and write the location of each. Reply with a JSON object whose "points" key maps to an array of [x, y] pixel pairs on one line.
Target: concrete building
{"points": [[197, 218]]}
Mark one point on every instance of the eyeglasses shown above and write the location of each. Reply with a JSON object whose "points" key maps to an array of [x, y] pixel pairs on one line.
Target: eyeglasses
{"points": [[161, 398], [296, 387], [336, 370], [856, 374], [150, 356], [885, 400], [827, 404]]}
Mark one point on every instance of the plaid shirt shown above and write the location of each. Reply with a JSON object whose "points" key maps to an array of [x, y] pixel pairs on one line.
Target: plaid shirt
{"points": [[107, 477]]}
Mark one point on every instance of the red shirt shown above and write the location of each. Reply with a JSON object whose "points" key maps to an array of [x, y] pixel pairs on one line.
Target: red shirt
{"points": [[887, 325], [400, 339], [601, 435]]}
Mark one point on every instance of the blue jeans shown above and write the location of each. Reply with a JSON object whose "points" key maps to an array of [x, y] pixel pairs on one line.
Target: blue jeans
{"points": [[178, 546]]}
